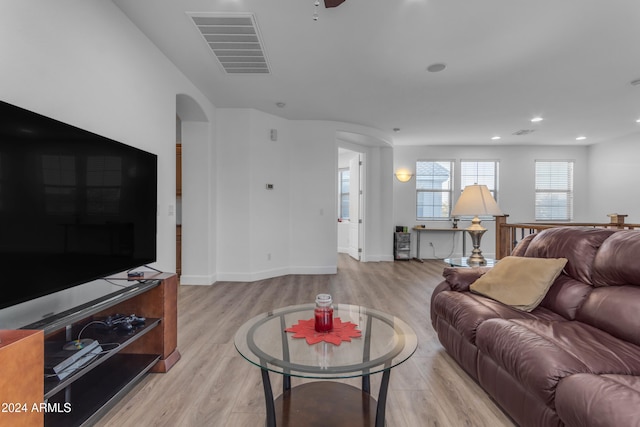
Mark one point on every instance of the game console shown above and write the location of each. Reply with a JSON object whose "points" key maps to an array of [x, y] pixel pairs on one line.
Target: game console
{"points": [[64, 360]]}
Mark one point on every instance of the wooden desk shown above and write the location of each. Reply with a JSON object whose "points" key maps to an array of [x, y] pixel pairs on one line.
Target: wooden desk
{"points": [[420, 230]]}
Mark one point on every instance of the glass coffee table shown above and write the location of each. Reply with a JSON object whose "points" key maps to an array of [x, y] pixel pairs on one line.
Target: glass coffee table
{"points": [[385, 342], [463, 262]]}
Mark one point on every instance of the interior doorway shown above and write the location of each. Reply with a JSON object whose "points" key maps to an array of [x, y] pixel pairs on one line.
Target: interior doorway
{"points": [[350, 202]]}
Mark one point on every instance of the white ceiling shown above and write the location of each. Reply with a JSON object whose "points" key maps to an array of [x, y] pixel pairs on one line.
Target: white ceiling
{"points": [[364, 62]]}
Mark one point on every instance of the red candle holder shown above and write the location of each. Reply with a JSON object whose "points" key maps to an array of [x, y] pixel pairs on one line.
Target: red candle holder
{"points": [[323, 313]]}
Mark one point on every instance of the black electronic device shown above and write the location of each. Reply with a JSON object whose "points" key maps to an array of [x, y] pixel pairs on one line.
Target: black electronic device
{"points": [[123, 322], [74, 206], [135, 274]]}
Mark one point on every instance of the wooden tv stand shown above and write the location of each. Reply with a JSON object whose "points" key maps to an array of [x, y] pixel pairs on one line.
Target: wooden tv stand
{"points": [[91, 390]]}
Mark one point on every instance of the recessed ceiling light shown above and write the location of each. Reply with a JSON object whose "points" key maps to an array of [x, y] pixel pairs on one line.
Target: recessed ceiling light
{"points": [[396, 129], [280, 104], [495, 138], [581, 138], [638, 121], [537, 119], [436, 68]]}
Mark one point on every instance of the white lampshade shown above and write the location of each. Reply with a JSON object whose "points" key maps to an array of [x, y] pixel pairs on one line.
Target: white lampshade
{"points": [[476, 200]]}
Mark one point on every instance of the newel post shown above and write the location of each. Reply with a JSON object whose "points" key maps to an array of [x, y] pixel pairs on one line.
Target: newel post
{"points": [[503, 243], [617, 220]]}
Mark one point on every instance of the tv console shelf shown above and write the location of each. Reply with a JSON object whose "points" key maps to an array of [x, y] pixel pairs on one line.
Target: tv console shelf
{"points": [[90, 391]]}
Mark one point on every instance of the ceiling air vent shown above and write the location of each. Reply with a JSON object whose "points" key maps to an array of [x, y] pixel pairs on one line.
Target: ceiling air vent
{"points": [[234, 40], [524, 132]]}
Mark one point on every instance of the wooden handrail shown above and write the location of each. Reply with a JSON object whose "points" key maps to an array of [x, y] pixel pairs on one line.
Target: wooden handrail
{"points": [[507, 234]]}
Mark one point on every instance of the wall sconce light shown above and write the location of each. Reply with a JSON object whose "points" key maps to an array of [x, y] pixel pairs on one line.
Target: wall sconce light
{"points": [[403, 175]]}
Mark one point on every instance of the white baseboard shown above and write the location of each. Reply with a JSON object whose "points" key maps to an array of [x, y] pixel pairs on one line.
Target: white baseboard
{"points": [[328, 269], [186, 279], [378, 258], [268, 274]]}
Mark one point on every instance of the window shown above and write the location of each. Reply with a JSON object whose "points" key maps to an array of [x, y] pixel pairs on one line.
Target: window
{"points": [[554, 190], [433, 189], [343, 193], [483, 172]]}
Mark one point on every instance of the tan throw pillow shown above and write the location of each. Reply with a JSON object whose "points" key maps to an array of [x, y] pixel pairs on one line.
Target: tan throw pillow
{"points": [[520, 282]]}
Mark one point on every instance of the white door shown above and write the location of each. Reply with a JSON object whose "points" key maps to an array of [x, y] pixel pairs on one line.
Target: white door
{"points": [[355, 212]]}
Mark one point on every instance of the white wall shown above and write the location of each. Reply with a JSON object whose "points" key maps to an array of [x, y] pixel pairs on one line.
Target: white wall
{"points": [[291, 229], [614, 179], [84, 63], [269, 162], [253, 221], [515, 189], [198, 204]]}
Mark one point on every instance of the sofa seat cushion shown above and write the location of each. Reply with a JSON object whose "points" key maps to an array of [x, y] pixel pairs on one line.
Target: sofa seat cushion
{"points": [[587, 400], [465, 311], [539, 353]]}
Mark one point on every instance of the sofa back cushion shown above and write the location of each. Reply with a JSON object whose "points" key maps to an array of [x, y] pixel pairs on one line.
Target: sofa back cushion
{"points": [[616, 263], [613, 309], [578, 244], [614, 304], [521, 247], [566, 296]]}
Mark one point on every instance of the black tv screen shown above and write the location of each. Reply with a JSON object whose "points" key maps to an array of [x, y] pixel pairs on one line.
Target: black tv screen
{"points": [[74, 206]]}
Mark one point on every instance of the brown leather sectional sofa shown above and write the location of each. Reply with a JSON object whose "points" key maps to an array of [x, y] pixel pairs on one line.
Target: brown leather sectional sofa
{"points": [[575, 359]]}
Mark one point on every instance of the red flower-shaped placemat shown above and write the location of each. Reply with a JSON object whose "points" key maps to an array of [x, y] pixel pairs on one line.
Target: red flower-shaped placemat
{"points": [[340, 332]]}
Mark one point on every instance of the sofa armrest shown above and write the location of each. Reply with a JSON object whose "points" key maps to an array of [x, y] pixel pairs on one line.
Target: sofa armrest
{"points": [[587, 400], [460, 278], [456, 279]]}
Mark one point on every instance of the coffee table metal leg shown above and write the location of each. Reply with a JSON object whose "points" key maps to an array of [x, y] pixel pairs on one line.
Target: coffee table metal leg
{"points": [[366, 384], [382, 398], [286, 379], [268, 399]]}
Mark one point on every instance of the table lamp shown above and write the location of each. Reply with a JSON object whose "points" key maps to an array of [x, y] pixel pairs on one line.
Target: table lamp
{"points": [[476, 200]]}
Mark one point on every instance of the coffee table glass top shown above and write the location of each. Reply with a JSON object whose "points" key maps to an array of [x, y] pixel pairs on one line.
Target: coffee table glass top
{"points": [[462, 262], [386, 342]]}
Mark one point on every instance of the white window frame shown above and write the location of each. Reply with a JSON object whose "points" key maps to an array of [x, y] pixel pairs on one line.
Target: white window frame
{"points": [[447, 192], [492, 183], [555, 186]]}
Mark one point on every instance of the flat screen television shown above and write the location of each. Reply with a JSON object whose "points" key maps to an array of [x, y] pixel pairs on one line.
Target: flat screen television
{"points": [[74, 206]]}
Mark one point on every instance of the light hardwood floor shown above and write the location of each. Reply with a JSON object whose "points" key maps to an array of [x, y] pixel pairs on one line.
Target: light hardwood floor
{"points": [[212, 385]]}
